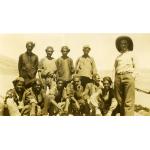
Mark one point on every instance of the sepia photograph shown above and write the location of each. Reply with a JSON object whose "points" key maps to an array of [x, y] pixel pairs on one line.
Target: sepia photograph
{"points": [[74, 74]]}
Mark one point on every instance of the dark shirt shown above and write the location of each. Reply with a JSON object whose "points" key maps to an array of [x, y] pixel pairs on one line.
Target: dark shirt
{"points": [[65, 68], [106, 103], [28, 66]]}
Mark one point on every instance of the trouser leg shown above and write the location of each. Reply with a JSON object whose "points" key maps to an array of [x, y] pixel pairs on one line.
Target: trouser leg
{"points": [[118, 89], [129, 95]]}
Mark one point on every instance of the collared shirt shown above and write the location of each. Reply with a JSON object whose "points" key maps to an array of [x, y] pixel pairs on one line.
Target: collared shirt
{"points": [[125, 62], [47, 65], [85, 66], [28, 65], [65, 68]]}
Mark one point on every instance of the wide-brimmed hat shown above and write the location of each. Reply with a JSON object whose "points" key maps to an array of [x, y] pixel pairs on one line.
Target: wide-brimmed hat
{"points": [[128, 39]]}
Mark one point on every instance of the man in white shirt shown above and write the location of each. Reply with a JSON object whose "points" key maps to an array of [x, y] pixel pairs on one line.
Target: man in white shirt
{"points": [[125, 68], [85, 66]]}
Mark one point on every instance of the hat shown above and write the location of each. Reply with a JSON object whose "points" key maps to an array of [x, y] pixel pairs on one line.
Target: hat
{"points": [[18, 79], [128, 39]]}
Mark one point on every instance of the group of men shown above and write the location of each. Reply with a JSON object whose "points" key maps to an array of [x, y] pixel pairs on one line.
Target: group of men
{"points": [[57, 88]]}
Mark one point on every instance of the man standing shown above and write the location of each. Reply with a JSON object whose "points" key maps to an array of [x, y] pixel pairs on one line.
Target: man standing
{"points": [[85, 66], [28, 64], [65, 67], [47, 66], [125, 73]]}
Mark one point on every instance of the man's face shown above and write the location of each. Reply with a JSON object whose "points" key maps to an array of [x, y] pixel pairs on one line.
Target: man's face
{"points": [[49, 52], [97, 79], [49, 80], [37, 86], [76, 81], [124, 45], [19, 87], [86, 51], [59, 84], [65, 51], [106, 84], [29, 47]]}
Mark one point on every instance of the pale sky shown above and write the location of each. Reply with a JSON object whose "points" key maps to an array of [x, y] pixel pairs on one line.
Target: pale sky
{"points": [[102, 45]]}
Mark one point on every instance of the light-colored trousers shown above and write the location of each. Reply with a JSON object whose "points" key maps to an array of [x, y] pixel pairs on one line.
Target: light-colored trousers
{"points": [[11, 106], [125, 93]]}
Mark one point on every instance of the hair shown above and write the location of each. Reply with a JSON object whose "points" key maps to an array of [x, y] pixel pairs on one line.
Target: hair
{"points": [[128, 39], [30, 42], [107, 78], [86, 46], [65, 47], [75, 76], [36, 80], [94, 76], [48, 48], [19, 79]]}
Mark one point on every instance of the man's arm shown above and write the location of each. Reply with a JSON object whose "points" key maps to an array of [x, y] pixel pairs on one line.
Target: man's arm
{"points": [[77, 66], [94, 70], [20, 64], [72, 66]]}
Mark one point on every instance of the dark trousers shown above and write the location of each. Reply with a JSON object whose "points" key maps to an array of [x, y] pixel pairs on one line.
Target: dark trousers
{"points": [[125, 93], [84, 81]]}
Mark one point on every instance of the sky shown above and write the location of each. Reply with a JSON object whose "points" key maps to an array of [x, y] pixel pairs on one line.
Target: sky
{"points": [[102, 46]]}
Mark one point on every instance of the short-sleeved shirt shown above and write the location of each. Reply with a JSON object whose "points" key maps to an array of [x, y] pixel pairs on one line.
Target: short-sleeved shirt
{"points": [[125, 62]]}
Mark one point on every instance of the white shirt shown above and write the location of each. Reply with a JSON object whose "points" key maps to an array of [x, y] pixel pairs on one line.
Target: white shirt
{"points": [[125, 62]]}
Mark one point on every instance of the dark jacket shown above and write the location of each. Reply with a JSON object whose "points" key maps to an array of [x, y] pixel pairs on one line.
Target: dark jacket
{"points": [[28, 66]]}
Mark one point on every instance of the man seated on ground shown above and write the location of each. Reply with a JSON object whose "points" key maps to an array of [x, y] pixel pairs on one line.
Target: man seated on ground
{"points": [[12, 104], [56, 94], [73, 93], [37, 94], [104, 99], [90, 89]]}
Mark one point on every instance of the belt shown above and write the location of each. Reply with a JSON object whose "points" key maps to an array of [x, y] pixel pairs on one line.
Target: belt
{"points": [[123, 73]]}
